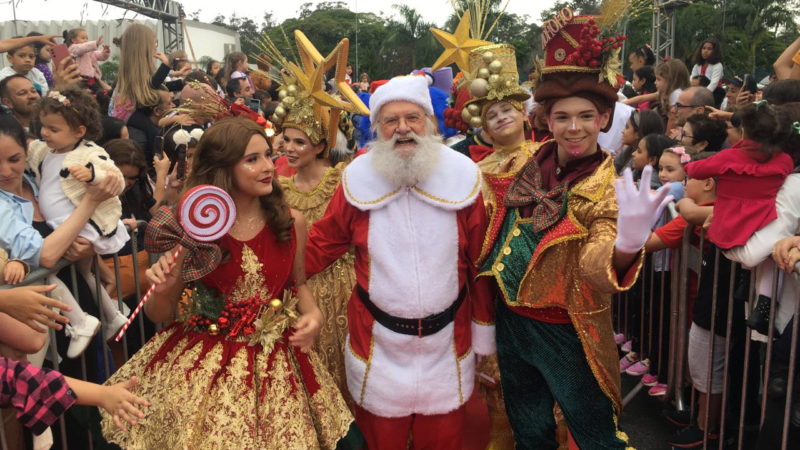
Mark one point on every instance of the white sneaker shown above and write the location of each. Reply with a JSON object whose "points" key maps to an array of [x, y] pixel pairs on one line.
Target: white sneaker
{"points": [[81, 337], [113, 325]]}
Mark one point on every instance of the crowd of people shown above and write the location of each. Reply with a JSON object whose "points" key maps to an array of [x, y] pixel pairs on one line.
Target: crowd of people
{"points": [[398, 244]]}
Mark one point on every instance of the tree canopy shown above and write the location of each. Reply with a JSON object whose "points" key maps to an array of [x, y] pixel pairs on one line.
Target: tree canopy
{"points": [[752, 32]]}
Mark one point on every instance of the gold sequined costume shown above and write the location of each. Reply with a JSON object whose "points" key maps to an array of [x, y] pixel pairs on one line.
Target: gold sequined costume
{"points": [[333, 286]]}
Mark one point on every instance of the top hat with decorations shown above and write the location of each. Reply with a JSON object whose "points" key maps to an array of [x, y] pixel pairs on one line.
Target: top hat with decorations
{"points": [[494, 79], [581, 55]]}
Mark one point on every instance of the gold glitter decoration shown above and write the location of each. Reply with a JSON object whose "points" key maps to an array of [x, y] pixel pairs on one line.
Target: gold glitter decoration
{"points": [[457, 46], [309, 108], [272, 321], [197, 403], [252, 283], [333, 286]]}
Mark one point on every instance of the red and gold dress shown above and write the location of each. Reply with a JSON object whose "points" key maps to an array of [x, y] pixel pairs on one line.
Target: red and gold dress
{"points": [[225, 376]]}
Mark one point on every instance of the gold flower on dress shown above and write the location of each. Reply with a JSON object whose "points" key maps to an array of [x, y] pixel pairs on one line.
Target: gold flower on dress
{"points": [[272, 321]]}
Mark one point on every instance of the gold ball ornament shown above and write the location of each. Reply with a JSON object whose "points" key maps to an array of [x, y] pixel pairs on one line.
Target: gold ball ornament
{"points": [[495, 66], [474, 109], [274, 119], [494, 78], [275, 304], [479, 88], [291, 89], [465, 115], [476, 122], [282, 94], [484, 73], [280, 112], [488, 57], [213, 329]]}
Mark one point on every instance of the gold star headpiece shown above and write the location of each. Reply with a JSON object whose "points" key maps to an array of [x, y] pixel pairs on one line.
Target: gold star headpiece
{"points": [[304, 103], [469, 34]]}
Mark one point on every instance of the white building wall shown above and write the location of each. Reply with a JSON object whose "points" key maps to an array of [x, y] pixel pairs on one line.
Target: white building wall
{"points": [[207, 39]]}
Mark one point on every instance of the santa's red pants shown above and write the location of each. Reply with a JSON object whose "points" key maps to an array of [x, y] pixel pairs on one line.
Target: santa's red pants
{"points": [[438, 432]]}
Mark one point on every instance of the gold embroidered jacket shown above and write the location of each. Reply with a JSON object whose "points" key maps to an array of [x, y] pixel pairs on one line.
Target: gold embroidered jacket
{"points": [[572, 267]]}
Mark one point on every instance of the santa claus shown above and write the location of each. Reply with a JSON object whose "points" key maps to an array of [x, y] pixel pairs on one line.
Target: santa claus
{"points": [[412, 209]]}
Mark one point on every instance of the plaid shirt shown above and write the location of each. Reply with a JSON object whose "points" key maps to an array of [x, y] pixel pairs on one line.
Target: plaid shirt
{"points": [[39, 395]]}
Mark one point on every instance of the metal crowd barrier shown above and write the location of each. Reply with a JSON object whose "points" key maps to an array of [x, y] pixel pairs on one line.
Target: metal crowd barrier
{"points": [[42, 276], [688, 260]]}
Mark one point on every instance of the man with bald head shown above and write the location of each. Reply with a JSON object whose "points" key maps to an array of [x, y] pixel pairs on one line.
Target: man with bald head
{"points": [[691, 101]]}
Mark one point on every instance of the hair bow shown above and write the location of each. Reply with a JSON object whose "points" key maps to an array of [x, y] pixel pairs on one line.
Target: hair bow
{"points": [[57, 96], [796, 127], [681, 152]]}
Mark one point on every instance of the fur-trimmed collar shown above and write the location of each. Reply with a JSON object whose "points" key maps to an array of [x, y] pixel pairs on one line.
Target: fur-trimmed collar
{"points": [[453, 185]]}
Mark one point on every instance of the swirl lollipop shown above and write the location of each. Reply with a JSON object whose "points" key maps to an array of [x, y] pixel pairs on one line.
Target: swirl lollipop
{"points": [[206, 213]]}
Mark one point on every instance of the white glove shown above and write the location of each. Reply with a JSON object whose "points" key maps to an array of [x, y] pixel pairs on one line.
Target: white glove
{"points": [[639, 209]]}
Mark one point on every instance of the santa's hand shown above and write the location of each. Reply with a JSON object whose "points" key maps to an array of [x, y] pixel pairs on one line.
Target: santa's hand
{"points": [[639, 209], [306, 330]]}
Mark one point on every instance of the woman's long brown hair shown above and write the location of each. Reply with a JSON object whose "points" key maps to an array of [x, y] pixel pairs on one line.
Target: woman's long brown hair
{"points": [[219, 150]]}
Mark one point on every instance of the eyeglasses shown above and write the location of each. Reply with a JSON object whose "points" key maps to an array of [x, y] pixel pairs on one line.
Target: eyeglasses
{"points": [[683, 135], [394, 122], [678, 106]]}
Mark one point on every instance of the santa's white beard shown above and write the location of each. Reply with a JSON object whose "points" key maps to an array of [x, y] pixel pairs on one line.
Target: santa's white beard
{"points": [[402, 170]]}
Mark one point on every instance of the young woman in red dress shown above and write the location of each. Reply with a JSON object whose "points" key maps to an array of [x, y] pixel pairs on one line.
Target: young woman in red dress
{"points": [[237, 369]]}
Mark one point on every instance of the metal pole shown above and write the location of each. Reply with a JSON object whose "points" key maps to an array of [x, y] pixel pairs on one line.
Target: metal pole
{"points": [[14, 11], [356, 72]]}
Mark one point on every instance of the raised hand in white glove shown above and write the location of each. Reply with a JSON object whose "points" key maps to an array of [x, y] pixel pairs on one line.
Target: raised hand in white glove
{"points": [[639, 209]]}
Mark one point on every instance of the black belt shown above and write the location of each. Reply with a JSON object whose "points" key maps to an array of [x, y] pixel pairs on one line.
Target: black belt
{"points": [[412, 327]]}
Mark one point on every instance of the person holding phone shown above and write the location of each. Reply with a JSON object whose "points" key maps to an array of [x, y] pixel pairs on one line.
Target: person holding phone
{"points": [[239, 91]]}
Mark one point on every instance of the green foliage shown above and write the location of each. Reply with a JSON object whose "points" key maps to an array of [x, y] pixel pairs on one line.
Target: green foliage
{"points": [[109, 69], [753, 33], [203, 61]]}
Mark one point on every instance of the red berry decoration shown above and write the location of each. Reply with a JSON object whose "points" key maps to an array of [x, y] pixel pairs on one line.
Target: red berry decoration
{"points": [[593, 63]]}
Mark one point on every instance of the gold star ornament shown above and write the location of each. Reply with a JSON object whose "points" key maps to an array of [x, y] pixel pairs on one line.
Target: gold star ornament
{"points": [[457, 46]]}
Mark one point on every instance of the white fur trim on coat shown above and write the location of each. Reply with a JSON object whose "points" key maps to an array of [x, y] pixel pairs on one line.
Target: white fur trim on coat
{"points": [[410, 375], [453, 185], [483, 339]]}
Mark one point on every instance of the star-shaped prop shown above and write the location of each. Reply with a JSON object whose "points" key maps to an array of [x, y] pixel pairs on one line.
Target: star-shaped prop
{"points": [[303, 95], [457, 46]]}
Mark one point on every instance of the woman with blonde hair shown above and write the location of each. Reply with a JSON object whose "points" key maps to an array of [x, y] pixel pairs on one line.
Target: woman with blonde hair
{"points": [[138, 79]]}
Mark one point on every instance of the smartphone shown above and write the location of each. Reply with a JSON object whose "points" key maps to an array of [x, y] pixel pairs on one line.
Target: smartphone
{"points": [[181, 169], [744, 83], [158, 147], [255, 104], [61, 52]]}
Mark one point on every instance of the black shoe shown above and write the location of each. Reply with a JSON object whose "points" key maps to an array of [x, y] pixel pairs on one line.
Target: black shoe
{"points": [[691, 437], [778, 379], [759, 319], [679, 418]]}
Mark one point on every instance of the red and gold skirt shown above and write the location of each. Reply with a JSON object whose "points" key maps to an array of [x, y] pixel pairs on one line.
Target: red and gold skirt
{"points": [[212, 392]]}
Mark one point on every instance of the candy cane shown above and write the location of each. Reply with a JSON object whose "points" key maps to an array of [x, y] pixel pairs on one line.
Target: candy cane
{"points": [[206, 213], [144, 300]]}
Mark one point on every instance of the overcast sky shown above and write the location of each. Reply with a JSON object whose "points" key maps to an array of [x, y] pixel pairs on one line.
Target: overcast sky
{"points": [[432, 10]]}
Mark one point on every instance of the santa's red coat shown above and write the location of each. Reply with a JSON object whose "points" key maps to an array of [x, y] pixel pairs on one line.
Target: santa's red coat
{"points": [[415, 251]]}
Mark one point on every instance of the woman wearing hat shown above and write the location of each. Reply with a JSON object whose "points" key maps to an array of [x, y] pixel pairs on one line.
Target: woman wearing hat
{"points": [[560, 243]]}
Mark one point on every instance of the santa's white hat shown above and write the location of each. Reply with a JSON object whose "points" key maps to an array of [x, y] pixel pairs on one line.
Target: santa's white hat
{"points": [[411, 88]]}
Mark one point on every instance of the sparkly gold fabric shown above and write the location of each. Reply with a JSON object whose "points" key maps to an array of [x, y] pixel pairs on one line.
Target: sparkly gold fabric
{"points": [[496, 162], [500, 437], [333, 286], [572, 269], [253, 401]]}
